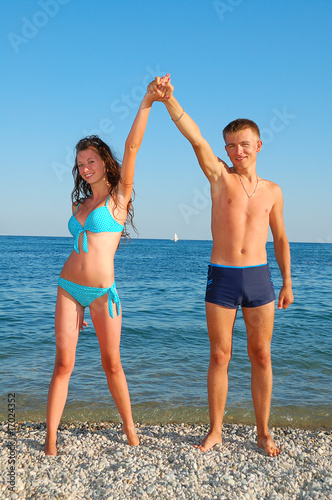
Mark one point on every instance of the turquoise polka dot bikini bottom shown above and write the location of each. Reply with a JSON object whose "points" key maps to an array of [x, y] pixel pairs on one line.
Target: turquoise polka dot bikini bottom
{"points": [[84, 295]]}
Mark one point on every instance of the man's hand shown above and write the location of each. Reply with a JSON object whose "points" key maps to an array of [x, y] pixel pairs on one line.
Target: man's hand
{"points": [[161, 88], [286, 297]]}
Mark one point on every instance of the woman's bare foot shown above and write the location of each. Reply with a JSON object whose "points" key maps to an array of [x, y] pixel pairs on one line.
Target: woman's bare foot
{"points": [[209, 441], [132, 437], [50, 447], [267, 444]]}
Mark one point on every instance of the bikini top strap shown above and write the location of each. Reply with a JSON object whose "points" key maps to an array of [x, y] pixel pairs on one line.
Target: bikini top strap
{"points": [[107, 200], [76, 209]]}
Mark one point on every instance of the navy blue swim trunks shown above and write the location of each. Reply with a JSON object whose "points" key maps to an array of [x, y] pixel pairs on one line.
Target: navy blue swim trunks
{"points": [[232, 287]]}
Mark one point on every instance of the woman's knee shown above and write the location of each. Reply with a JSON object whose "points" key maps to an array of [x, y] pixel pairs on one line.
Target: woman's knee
{"points": [[64, 364], [112, 366]]}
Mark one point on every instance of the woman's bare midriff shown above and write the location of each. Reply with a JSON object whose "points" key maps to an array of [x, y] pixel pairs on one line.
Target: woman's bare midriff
{"points": [[96, 267]]}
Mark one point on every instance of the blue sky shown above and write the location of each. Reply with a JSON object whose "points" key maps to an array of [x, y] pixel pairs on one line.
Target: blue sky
{"points": [[71, 68]]}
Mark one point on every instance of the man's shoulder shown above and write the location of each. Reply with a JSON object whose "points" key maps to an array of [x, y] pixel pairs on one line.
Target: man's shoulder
{"points": [[223, 169], [272, 191], [270, 185], [222, 163], [220, 172]]}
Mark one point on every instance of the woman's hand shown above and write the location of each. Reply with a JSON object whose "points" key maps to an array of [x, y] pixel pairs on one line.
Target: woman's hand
{"points": [[83, 324], [161, 88]]}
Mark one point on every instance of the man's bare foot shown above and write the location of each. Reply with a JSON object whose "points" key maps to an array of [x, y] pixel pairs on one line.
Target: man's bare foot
{"points": [[267, 444], [209, 441], [132, 437], [50, 447]]}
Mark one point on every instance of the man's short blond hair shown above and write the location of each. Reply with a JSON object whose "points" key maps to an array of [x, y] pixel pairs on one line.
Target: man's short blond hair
{"points": [[240, 124]]}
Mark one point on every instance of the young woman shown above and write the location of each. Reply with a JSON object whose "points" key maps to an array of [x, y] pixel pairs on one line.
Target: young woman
{"points": [[101, 206]]}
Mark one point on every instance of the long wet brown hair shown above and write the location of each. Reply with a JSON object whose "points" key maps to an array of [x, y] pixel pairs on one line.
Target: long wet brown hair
{"points": [[82, 189]]}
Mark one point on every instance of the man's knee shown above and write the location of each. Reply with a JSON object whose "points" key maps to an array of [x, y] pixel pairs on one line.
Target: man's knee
{"points": [[260, 357], [219, 357]]}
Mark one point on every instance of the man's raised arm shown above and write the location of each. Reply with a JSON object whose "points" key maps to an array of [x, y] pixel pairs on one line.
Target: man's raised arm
{"points": [[209, 163]]}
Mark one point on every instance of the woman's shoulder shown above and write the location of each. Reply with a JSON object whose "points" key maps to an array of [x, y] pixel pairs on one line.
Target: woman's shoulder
{"points": [[74, 207], [76, 204]]}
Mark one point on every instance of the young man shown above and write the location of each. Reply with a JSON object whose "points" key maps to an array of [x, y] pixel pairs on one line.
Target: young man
{"points": [[243, 207]]}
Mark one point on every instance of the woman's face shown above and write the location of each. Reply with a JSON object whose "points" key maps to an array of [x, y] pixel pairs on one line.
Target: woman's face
{"points": [[91, 167]]}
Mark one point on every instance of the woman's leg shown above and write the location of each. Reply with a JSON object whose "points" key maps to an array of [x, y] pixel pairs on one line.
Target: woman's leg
{"points": [[68, 319], [108, 331]]}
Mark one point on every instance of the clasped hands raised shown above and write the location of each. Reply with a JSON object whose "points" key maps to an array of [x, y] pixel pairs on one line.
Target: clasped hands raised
{"points": [[161, 88]]}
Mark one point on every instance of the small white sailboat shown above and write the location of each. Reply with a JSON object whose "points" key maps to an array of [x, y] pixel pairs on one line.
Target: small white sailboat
{"points": [[176, 237]]}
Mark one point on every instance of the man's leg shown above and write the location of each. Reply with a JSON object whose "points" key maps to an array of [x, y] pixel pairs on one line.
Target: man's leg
{"points": [[220, 323], [259, 323]]}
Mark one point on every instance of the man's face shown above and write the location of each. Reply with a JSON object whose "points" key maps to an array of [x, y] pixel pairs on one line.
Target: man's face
{"points": [[242, 147]]}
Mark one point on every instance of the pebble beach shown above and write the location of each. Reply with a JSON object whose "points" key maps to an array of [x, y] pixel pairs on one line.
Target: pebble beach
{"points": [[95, 462]]}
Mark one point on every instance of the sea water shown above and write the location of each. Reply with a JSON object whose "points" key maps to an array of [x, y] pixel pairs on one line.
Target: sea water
{"points": [[164, 343]]}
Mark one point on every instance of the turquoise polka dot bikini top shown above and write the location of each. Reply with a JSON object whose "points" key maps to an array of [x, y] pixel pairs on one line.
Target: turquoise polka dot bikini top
{"points": [[99, 220]]}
